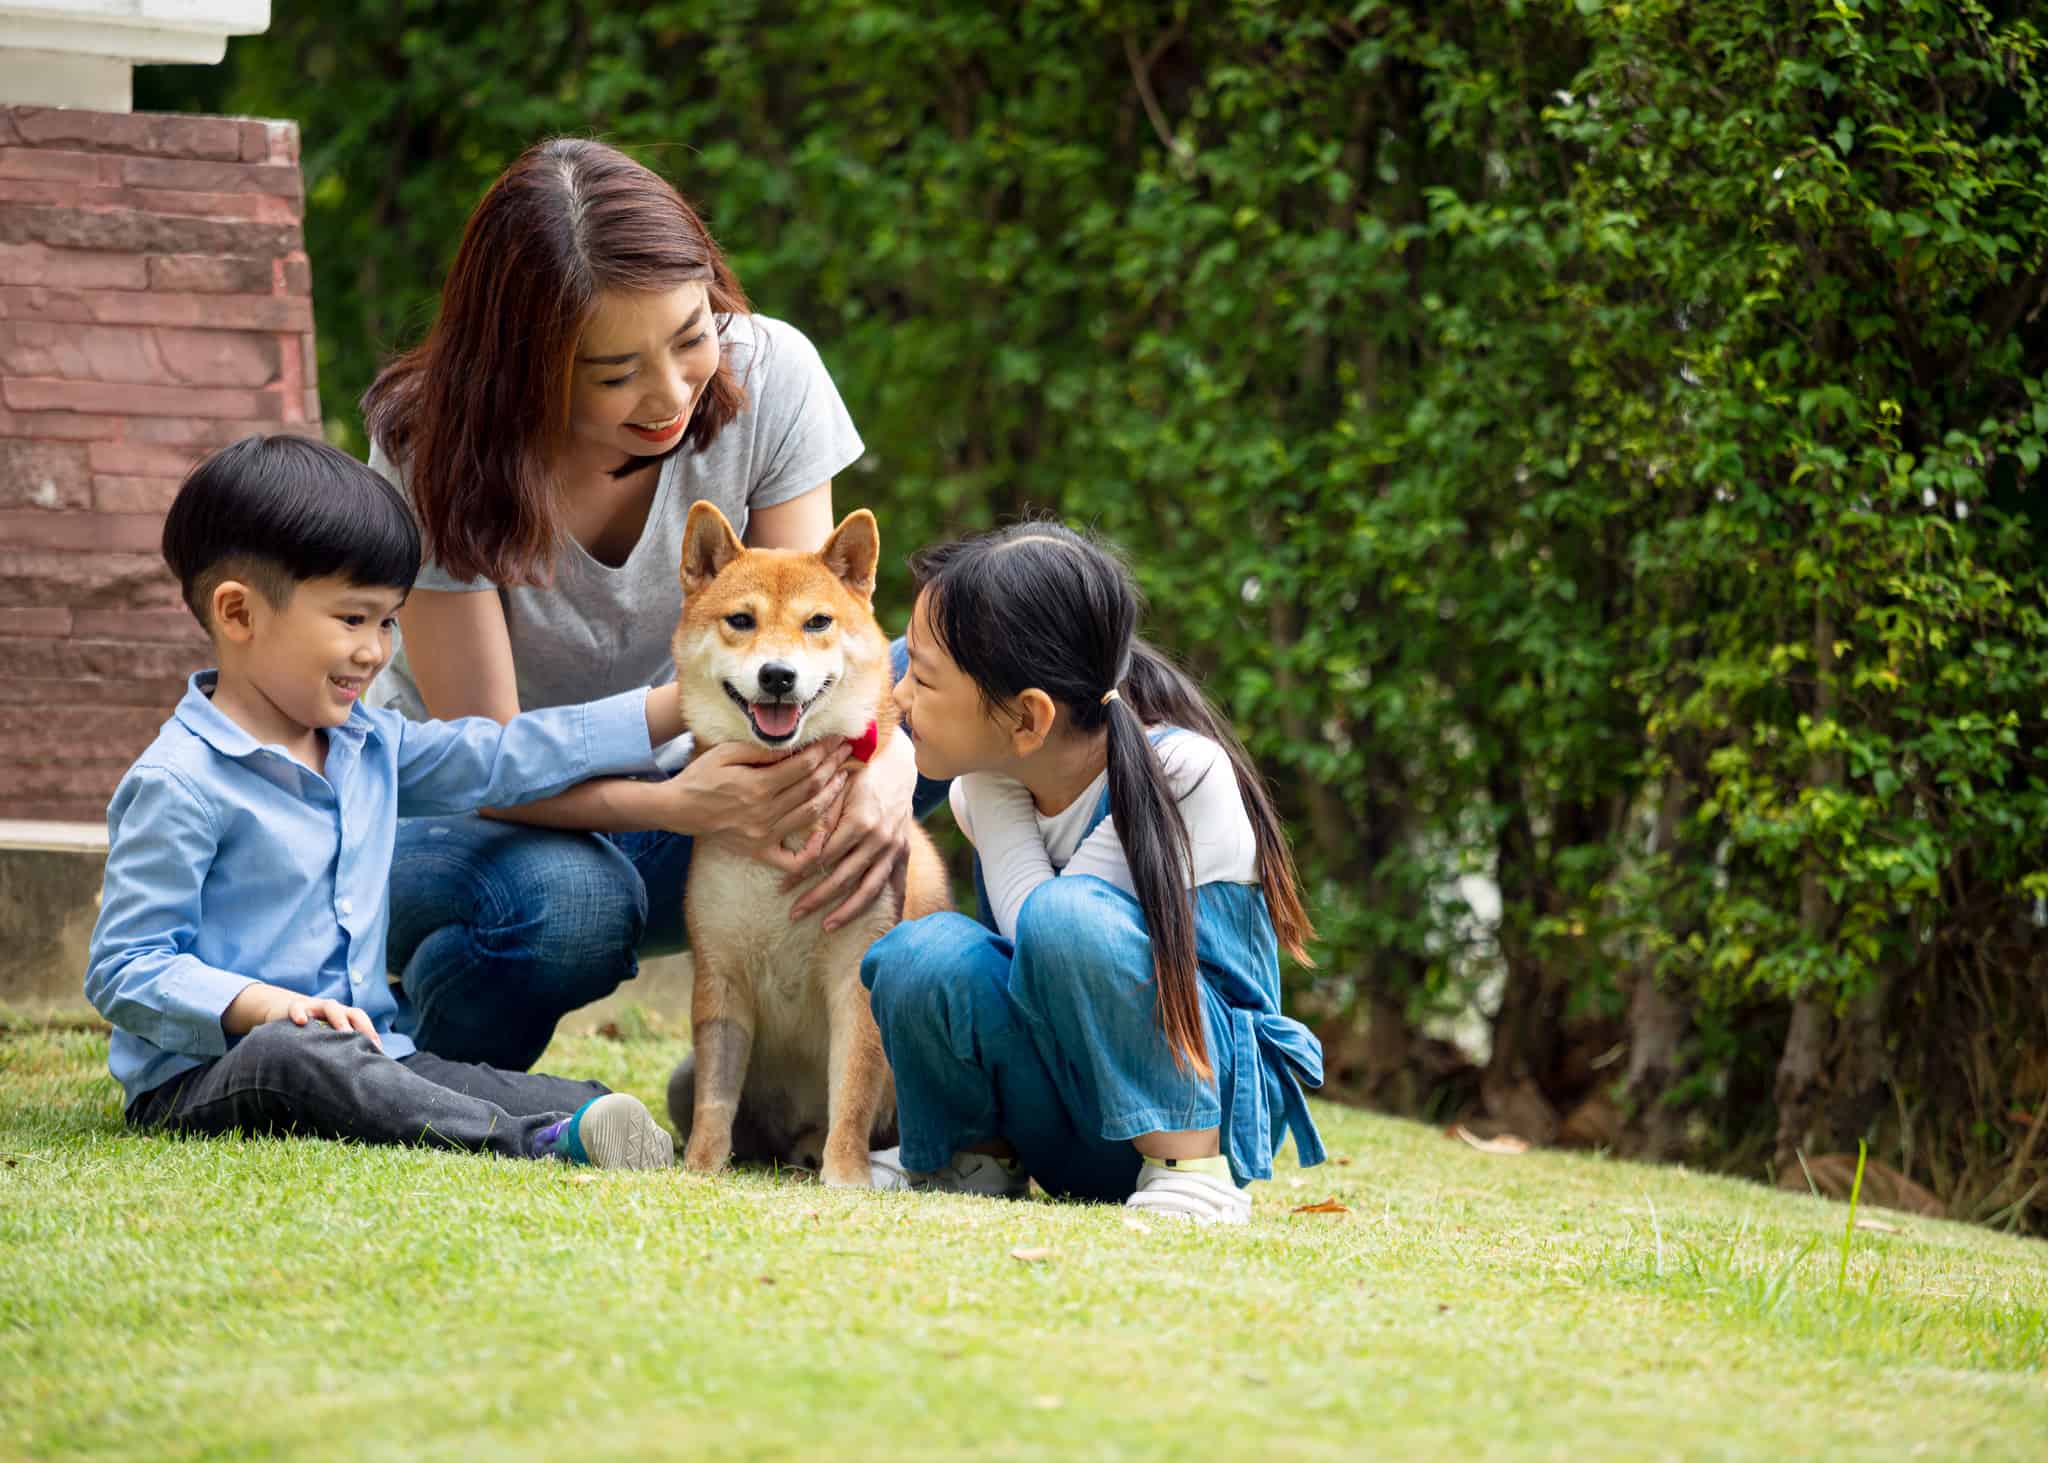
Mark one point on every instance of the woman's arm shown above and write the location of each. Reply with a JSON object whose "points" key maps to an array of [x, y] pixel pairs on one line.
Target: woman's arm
{"points": [[461, 658], [460, 653], [803, 522]]}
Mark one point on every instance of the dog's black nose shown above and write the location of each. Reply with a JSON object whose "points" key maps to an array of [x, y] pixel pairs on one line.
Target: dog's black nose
{"points": [[777, 679]]}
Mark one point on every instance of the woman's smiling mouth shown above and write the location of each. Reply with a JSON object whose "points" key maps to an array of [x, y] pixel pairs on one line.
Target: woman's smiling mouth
{"points": [[659, 431]]}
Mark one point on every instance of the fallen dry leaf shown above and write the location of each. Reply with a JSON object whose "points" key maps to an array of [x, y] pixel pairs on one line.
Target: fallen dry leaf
{"points": [[1031, 1254], [1878, 1226], [1328, 1206], [1297, 1183], [582, 1178], [1137, 1226], [1505, 1143], [609, 1032], [1341, 1162]]}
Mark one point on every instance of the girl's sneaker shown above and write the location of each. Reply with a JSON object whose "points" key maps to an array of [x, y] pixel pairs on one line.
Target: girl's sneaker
{"points": [[613, 1131], [965, 1173], [1199, 1189]]}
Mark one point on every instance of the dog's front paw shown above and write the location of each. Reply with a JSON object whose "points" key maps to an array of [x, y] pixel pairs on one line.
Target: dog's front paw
{"points": [[843, 1175], [706, 1154]]}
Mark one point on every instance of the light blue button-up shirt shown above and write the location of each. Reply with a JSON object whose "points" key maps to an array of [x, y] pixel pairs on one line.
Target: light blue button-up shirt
{"points": [[229, 862]]}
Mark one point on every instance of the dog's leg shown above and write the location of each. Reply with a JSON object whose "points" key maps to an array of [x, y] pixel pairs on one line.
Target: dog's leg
{"points": [[722, 1037], [857, 1076]]}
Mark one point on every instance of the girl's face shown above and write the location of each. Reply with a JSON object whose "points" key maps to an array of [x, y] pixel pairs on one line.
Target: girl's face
{"points": [[641, 365], [954, 731]]}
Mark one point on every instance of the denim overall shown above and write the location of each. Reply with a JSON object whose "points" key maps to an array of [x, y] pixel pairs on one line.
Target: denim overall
{"points": [[1053, 1042]]}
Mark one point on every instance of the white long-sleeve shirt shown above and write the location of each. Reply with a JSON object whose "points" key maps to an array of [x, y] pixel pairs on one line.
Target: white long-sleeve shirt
{"points": [[1021, 848]]}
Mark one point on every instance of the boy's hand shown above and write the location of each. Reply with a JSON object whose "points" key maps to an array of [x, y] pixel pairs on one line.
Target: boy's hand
{"points": [[258, 1004]]}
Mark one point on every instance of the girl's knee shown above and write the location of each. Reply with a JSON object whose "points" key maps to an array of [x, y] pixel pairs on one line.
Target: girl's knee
{"points": [[918, 953], [1080, 939], [1082, 910], [932, 975]]}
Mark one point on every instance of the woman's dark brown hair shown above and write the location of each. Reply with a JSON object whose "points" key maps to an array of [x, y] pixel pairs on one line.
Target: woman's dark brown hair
{"points": [[477, 414]]}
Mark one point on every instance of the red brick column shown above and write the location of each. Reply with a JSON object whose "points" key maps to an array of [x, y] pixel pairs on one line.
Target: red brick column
{"points": [[155, 303]]}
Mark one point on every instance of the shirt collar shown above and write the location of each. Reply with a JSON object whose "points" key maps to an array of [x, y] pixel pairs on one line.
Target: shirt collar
{"points": [[198, 715]]}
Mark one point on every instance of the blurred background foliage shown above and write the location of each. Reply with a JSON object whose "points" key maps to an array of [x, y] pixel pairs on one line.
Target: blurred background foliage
{"points": [[1593, 451]]}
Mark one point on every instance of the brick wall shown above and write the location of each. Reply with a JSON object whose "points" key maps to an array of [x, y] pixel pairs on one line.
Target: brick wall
{"points": [[155, 303]]}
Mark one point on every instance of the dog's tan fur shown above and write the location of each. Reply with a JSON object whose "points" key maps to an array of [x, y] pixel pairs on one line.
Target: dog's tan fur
{"points": [[787, 1063]]}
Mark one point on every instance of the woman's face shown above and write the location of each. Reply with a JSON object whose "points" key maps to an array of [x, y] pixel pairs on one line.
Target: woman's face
{"points": [[641, 365]]}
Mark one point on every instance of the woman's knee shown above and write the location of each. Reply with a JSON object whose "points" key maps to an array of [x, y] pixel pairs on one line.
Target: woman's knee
{"points": [[537, 899]]}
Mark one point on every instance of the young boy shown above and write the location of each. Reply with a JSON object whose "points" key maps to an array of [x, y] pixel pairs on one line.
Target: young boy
{"points": [[239, 952]]}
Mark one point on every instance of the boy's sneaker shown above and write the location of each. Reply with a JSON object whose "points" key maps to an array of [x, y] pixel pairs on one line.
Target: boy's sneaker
{"points": [[964, 1173], [1200, 1189], [613, 1131]]}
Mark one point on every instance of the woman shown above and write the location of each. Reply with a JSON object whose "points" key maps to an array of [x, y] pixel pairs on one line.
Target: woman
{"points": [[594, 370]]}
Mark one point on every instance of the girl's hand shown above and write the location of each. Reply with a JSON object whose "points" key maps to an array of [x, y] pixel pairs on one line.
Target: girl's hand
{"points": [[865, 842], [751, 795]]}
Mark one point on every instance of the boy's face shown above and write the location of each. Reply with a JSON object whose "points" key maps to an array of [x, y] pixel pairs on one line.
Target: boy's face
{"points": [[313, 658]]}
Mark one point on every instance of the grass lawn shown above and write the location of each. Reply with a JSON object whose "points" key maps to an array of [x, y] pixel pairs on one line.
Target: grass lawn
{"points": [[172, 1299]]}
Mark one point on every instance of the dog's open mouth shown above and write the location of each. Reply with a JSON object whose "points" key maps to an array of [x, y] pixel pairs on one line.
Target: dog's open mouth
{"points": [[775, 722]]}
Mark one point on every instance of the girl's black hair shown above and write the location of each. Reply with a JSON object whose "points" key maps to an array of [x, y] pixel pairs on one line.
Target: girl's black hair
{"points": [[276, 511], [1039, 605]]}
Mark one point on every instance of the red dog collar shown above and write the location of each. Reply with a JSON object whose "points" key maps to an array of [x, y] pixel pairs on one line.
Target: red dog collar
{"points": [[864, 745]]}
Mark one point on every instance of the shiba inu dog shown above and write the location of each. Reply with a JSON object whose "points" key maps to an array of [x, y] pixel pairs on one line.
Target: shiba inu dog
{"points": [[782, 648]]}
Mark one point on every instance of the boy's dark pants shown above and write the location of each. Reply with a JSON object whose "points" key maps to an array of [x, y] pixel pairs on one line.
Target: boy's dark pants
{"points": [[323, 1083]]}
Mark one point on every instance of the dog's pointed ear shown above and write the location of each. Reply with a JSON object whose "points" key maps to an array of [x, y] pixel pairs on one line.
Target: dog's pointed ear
{"points": [[853, 551], [709, 544]]}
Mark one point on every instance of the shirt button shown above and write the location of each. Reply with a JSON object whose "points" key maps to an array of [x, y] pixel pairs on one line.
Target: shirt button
{"points": [[346, 907]]}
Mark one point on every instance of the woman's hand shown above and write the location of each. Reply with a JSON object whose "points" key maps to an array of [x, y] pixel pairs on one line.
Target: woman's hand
{"points": [[750, 795], [864, 842]]}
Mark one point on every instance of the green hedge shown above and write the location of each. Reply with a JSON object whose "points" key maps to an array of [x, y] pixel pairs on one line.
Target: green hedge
{"points": [[1586, 447]]}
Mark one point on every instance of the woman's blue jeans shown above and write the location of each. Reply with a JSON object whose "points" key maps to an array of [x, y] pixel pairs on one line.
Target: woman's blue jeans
{"points": [[499, 930], [1052, 1043]]}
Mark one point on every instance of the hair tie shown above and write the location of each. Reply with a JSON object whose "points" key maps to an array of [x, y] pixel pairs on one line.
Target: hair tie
{"points": [[1110, 695]]}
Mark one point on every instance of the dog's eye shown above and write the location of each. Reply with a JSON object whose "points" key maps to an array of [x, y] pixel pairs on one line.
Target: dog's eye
{"points": [[740, 621], [818, 622]]}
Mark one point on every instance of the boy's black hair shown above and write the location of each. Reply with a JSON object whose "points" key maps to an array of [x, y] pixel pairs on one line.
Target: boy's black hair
{"points": [[276, 511]]}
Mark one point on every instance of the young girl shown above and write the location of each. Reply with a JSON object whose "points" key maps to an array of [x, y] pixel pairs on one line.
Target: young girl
{"points": [[1117, 1032]]}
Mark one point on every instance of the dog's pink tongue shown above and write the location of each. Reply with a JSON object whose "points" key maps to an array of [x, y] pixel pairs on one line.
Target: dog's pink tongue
{"points": [[777, 720]]}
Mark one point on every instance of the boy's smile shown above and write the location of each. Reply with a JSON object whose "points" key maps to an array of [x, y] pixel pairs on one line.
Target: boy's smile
{"points": [[288, 672]]}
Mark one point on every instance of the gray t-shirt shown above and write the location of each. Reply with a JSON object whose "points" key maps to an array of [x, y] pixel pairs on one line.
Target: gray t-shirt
{"points": [[598, 630]]}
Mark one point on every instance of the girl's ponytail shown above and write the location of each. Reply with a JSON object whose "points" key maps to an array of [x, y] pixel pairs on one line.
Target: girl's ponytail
{"points": [[1159, 692], [1155, 840]]}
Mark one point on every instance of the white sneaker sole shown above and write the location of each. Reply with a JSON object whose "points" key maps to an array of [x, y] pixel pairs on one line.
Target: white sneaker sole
{"points": [[619, 1132]]}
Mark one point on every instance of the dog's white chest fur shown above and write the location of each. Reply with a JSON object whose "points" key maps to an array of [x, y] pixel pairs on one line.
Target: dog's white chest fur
{"points": [[738, 907]]}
